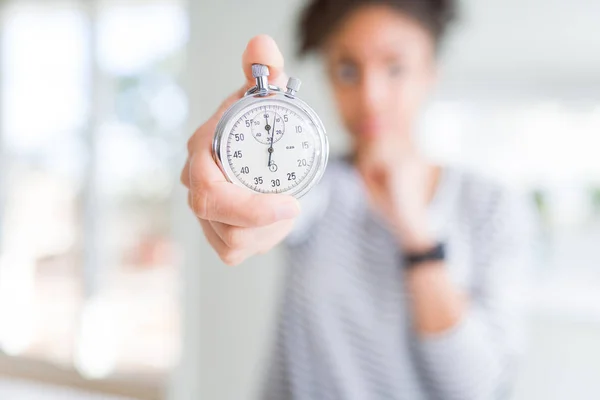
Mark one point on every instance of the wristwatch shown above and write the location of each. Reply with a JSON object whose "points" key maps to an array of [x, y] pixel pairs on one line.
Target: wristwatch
{"points": [[435, 253]]}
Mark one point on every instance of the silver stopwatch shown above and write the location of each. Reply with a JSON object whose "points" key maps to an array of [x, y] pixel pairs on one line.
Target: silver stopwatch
{"points": [[270, 141]]}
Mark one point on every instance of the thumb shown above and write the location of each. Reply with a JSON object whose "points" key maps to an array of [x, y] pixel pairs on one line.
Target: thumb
{"points": [[262, 49]]}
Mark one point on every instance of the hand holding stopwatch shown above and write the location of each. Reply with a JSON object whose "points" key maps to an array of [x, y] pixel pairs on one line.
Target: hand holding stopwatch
{"points": [[239, 220], [272, 125]]}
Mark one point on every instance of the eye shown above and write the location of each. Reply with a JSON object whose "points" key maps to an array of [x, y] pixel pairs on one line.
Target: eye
{"points": [[395, 70], [347, 73]]}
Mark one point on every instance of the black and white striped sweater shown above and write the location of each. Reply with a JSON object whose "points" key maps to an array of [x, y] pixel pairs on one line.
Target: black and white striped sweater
{"points": [[344, 329]]}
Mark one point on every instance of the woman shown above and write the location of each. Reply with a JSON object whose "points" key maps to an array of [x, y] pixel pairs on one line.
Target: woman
{"points": [[398, 286]]}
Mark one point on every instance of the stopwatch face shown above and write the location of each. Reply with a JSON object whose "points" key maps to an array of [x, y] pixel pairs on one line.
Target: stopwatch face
{"points": [[272, 145]]}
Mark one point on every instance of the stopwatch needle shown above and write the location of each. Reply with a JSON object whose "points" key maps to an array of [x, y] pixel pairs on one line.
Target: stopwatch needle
{"points": [[272, 134], [270, 149], [270, 153]]}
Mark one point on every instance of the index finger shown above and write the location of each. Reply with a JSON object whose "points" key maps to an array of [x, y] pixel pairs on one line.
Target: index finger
{"points": [[233, 205]]}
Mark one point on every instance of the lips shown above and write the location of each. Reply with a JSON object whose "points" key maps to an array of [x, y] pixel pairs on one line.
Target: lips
{"points": [[371, 127]]}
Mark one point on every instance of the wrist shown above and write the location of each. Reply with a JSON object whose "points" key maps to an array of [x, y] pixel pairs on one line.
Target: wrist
{"points": [[416, 239], [416, 243], [433, 255]]}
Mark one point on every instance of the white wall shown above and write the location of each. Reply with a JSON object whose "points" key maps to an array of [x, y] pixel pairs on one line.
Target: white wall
{"points": [[525, 47]]}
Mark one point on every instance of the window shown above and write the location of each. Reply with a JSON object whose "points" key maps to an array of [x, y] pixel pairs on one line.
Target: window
{"points": [[549, 149], [91, 102]]}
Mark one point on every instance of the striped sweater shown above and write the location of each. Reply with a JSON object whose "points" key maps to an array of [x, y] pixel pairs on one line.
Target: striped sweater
{"points": [[344, 329]]}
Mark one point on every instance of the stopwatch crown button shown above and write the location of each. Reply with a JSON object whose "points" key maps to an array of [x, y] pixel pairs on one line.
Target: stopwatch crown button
{"points": [[259, 70], [293, 85]]}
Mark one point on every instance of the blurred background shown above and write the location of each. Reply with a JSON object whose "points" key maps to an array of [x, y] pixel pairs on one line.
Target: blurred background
{"points": [[107, 289]]}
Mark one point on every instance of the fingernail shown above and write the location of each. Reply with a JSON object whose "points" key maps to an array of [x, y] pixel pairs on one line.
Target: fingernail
{"points": [[287, 210]]}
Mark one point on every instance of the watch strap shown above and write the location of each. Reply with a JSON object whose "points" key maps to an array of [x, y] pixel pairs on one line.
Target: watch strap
{"points": [[435, 253]]}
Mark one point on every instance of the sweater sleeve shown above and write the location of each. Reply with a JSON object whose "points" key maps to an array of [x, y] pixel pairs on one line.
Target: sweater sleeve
{"points": [[475, 359]]}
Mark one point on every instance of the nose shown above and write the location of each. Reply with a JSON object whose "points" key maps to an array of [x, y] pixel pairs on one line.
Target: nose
{"points": [[372, 92]]}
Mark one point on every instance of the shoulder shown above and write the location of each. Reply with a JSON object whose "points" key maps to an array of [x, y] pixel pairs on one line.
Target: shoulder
{"points": [[342, 180], [478, 188], [339, 168], [491, 205], [338, 189]]}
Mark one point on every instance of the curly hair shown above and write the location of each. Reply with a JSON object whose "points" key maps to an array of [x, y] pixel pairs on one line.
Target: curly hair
{"points": [[321, 17]]}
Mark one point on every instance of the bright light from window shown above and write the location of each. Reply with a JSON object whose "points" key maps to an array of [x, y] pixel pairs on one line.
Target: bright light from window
{"points": [[129, 164], [44, 75], [132, 37], [544, 141]]}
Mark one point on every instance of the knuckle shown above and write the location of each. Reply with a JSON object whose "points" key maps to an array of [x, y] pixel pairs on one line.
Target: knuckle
{"points": [[231, 257], [185, 174], [235, 237], [200, 203], [192, 140], [190, 144], [196, 173], [196, 180]]}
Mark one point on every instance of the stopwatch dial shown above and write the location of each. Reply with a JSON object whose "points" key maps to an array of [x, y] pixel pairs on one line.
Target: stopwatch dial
{"points": [[268, 125], [277, 167]]}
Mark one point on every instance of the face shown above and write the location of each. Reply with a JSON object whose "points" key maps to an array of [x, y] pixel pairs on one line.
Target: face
{"points": [[381, 64]]}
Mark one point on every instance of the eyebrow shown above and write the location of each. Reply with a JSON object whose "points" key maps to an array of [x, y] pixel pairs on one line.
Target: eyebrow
{"points": [[390, 57], [344, 54]]}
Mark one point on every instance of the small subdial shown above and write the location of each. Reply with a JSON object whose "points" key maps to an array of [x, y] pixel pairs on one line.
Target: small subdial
{"points": [[268, 127], [273, 167]]}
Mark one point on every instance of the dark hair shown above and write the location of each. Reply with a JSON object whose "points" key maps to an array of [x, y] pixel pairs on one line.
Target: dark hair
{"points": [[321, 17]]}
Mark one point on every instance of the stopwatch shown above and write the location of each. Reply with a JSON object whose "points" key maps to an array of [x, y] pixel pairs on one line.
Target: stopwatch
{"points": [[270, 141]]}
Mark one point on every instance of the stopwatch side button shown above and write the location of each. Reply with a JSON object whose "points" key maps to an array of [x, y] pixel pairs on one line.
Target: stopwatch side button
{"points": [[293, 85]]}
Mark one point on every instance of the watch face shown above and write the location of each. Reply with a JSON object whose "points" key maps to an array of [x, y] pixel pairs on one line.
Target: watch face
{"points": [[272, 145]]}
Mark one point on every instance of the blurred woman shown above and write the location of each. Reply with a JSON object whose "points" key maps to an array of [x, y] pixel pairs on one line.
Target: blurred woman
{"points": [[400, 271]]}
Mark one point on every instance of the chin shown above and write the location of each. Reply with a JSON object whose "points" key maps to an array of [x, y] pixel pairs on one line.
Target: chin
{"points": [[374, 135], [370, 135]]}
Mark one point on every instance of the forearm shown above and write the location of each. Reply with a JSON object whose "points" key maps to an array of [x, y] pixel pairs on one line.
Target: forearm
{"points": [[458, 358], [436, 304]]}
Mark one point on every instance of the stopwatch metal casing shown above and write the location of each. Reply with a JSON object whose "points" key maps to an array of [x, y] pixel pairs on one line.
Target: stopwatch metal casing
{"points": [[246, 145]]}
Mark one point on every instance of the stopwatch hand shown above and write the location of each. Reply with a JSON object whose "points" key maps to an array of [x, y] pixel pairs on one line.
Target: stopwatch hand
{"points": [[272, 137], [270, 154]]}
